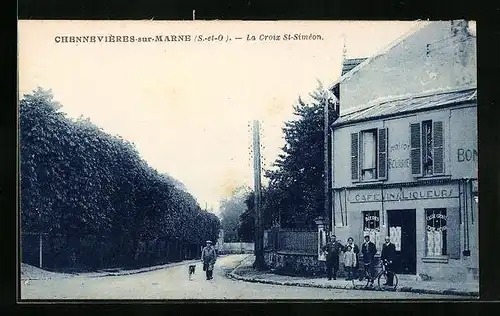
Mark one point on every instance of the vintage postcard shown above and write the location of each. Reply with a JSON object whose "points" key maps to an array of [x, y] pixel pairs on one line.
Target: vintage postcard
{"points": [[229, 160]]}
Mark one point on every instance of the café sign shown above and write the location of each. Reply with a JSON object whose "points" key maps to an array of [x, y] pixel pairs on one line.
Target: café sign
{"points": [[403, 194]]}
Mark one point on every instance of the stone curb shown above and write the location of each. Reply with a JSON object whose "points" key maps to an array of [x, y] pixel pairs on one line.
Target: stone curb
{"points": [[120, 273], [129, 272], [235, 276]]}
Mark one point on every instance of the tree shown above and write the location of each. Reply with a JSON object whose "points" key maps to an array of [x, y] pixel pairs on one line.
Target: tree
{"points": [[246, 225], [296, 188], [78, 181], [231, 210]]}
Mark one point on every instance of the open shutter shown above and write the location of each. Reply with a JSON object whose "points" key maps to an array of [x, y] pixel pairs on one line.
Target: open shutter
{"points": [[438, 142], [415, 149], [355, 157], [453, 232], [382, 153], [361, 155]]}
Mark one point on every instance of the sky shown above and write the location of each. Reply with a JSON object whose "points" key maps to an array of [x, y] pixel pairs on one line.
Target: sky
{"points": [[187, 106]]}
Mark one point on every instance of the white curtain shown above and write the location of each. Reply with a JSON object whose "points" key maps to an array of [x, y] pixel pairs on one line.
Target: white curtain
{"points": [[434, 242], [395, 234], [369, 155], [369, 150]]}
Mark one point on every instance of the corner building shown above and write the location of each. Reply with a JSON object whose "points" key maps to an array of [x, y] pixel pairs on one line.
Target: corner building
{"points": [[404, 152]]}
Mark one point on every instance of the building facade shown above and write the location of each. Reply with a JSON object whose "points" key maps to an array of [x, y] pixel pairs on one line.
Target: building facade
{"points": [[405, 153]]}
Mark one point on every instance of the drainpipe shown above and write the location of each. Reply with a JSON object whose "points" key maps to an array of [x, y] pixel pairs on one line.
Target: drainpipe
{"points": [[345, 204], [332, 193], [460, 198], [341, 208], [472, 202], [467, 206], [382, 194], [464, 214]]}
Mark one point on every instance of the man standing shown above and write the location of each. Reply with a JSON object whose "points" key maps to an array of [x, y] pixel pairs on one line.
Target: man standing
{"points": [[333, 249], [355, 249], [208, 258], [369, 250], [388, 255]]}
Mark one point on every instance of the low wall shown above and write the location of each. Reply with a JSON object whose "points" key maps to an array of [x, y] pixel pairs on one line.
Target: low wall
{"points": [[236, 248], [297, 264]]}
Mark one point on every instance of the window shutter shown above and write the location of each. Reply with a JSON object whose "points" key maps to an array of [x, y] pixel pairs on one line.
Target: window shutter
{"points": [[438, 142], [355, 156], [453, 232], [360, 155], [382, 153], [416, 150]]}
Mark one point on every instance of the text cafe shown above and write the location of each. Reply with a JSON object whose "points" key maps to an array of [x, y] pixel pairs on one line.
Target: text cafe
{"points": [[424, 222]]}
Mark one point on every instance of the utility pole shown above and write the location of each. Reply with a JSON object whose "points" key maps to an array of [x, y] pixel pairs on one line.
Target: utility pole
{"points": [[326, 161], [259, 232]]}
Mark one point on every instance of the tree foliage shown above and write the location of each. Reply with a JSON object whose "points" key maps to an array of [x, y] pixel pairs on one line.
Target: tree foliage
{"points": [[231, 209], [246, 226], [76, 180], [295, 194]]}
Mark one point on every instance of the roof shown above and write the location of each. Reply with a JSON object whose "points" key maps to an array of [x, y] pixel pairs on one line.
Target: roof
{"points": [[382, 52], [349, 64], [393, 107]]}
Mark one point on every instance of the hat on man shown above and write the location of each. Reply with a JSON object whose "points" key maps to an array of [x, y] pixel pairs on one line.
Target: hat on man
{"points": [[209, 241]]}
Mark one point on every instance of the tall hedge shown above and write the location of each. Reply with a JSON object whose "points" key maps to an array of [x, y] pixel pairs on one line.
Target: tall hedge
{"points": [[77, 180]]}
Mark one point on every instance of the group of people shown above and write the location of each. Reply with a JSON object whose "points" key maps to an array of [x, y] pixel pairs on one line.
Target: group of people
{"points": [[334, 250], [351, 251]]}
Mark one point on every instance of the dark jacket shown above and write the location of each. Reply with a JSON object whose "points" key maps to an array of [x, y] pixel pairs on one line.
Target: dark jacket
{"points": [[368, 252], [388, 252], [355, 248], [333, 250]]}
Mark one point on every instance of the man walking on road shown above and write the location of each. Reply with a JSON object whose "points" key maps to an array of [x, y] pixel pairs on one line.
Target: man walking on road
{"points": [[333, 249], [208, 258]]}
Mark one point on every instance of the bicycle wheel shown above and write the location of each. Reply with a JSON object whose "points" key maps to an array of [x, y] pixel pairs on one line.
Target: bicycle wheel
{"points": [[383, 278]]}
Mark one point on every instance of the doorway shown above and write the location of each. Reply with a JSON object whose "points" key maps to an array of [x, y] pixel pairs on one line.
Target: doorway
{"points": [[402, 230]]}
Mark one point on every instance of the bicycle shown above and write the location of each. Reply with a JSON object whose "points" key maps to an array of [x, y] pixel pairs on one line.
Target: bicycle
{"points": [[381, 277], [366, 275]]}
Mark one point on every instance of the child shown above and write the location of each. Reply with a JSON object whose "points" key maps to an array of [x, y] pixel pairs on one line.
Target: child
{"points": [[350, 262]]}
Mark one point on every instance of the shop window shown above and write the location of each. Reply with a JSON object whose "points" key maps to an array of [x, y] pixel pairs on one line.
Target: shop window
{"points": [[436, 232], [427, 148], [371, 227], [369, 155]]}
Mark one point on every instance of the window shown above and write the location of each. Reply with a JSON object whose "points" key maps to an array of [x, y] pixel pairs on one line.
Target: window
{"points": [[371, 227], [369, 155], [436, 232], [427, 148]]}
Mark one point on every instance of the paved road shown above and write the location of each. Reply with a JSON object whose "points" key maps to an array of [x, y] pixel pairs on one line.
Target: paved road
{"points": [[173, 283]]}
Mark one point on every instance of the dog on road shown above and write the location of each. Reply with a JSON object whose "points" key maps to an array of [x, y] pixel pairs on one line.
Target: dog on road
{"points": [[191, 271]]}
